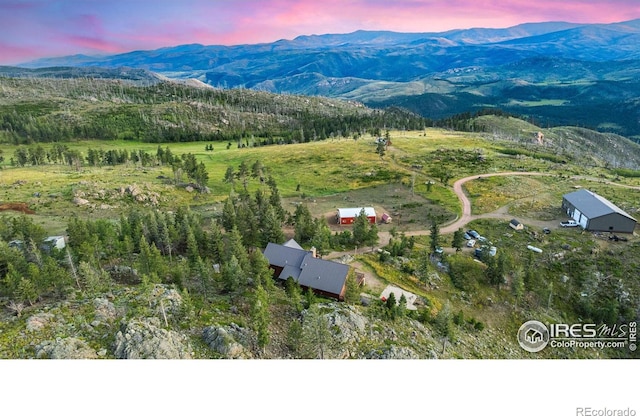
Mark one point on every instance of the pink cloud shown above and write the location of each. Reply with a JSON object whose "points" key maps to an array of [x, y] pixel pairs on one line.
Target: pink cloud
{"points": [[54, 27]]}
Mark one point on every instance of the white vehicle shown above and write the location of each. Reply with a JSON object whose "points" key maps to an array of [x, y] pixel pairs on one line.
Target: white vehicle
{"points": [[570, 223], [471, 243], [492, 251]]}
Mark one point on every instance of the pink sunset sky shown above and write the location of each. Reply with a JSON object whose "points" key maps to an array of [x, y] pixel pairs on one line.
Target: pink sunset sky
{"points": [[31, 29]]}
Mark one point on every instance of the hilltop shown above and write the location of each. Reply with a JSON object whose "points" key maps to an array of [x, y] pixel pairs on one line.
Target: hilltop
{"points": [[67, 104], [563, 73]]}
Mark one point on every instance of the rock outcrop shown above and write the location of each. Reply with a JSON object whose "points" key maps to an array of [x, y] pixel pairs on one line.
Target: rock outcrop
{"points": [[140, 339], [65, 349], [223, 340], [39, 321]]}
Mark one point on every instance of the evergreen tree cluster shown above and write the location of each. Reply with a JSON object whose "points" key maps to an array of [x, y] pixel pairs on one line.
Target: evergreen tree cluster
{"points": [[170, 112]]}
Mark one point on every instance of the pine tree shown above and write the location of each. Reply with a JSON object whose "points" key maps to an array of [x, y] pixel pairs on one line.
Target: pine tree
{"points": [[274, 199], [193, 252], [392, 306], [260, 272], [234, 247], [294, 337], [272, 231], [232, 275], [229, 215], [458, 239], [260, 317], [257, 169], [230, 176], [216, 243], [352, 291], [434, 237], [26, 291], [321, 237], [423, 266], [247, 224], [372, 236], [402, 305], [304, 226], [517, 286], [294, 293], [317, 339], [361, 229], [444, 323]]}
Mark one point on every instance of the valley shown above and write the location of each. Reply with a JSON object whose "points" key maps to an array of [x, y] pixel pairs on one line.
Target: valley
{"points": [[168, 179], [323, 176]]}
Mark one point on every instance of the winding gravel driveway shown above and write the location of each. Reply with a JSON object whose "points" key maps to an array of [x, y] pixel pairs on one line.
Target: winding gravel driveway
{"points": [[466, 217]]}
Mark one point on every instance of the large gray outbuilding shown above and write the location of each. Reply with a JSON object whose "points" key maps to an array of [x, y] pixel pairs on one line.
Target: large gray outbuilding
{"points": [[595, 213]]}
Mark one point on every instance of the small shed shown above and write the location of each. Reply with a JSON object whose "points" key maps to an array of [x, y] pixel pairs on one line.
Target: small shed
{"points": [[346, 216], [516, 225], [386, 218]]}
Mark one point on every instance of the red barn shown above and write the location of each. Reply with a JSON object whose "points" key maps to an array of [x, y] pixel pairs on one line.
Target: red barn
{"points": [[346, 216]]}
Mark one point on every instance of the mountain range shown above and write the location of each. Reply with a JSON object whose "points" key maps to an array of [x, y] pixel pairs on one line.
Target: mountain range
{"points": [[555, 73]]}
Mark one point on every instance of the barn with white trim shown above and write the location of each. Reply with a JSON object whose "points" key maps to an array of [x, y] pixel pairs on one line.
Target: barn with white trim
{"points": [[595, 213], [346, 216]]}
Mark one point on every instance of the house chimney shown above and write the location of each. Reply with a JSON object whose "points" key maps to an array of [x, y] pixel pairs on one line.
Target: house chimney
{"points": [[313, 252]]}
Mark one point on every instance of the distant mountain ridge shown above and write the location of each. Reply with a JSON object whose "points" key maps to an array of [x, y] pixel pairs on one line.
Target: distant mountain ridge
{"points": [[545, 69]]}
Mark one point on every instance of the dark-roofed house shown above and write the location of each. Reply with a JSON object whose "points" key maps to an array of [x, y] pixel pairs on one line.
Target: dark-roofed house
{"points": [[595, 213], [324, 277]]}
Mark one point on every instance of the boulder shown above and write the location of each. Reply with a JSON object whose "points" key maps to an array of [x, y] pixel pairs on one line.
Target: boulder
{"points": [[65, 349], [221, 340], [39, 321], [167, 299], [349, 326], [105, 311], [80, 201], [144, 339]]}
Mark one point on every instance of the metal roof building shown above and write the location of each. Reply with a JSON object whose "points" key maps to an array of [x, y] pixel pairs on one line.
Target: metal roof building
{"points": [[326, 278], [595, 213], [348, 215]]}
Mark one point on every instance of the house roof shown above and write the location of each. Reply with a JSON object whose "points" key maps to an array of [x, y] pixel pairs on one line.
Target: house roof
{"points": [[354, 212], [293, 244], [282, 256], [309, 271], [593, 205]]}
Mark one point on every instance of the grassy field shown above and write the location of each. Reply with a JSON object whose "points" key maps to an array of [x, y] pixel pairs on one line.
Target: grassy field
{"points": [[325, 175]]}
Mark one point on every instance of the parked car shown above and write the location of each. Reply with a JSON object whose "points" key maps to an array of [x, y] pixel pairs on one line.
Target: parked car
{"points": [[467, 236], [570, 223], [492, 251], [471, 243], [617, 238], [473, 233], [482, 239], [439, 250], [546, 230]]}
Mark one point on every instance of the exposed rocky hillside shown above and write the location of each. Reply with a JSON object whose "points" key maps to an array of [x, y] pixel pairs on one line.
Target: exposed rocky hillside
{"points": [[156, 324]]}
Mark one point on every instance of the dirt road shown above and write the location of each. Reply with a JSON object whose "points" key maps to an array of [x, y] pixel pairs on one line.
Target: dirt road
{"points": [[466, 216]]}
